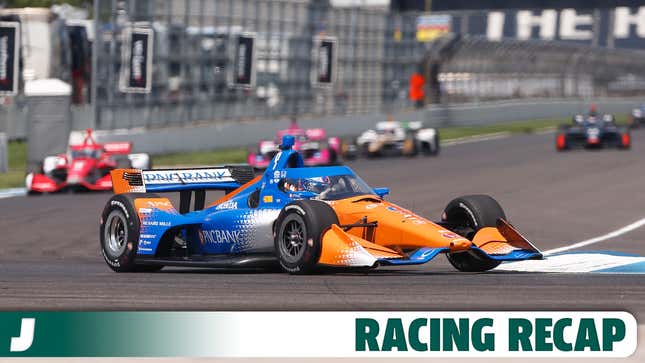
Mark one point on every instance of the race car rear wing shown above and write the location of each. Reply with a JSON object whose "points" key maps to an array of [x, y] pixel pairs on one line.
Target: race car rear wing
{"points": [[226, 177], [122, 148], [184, 181]]}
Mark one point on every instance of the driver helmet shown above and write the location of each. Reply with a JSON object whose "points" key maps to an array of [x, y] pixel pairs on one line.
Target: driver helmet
{"points": [[318, 184]]}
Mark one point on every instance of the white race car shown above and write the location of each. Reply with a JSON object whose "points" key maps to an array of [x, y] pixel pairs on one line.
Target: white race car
{"points": [[398, 138]]}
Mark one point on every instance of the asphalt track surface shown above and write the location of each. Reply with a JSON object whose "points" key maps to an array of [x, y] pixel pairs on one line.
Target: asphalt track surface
{"points": [[49, 254]]}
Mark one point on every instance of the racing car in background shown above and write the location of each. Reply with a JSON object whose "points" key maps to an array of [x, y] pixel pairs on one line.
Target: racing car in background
{"points": [[592, 131], [85, 166], [638, 116], [314, 145], [304, 219], [396, 138]]}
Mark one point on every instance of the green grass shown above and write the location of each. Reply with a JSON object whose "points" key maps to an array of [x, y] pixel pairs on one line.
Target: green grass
{"points": [[223, 156], [17, 161], [12, 179], [18, 150], [448, 133]]}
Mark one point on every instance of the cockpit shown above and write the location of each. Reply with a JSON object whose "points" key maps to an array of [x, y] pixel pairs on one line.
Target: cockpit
{"points": [[86, 152], [332, 187]]}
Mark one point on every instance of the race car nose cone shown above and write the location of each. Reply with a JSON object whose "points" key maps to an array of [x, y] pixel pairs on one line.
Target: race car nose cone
{"points": [[73, 179]]}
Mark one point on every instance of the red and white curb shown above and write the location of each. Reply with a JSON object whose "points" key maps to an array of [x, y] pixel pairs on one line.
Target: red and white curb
{"points": [[563, 260]]}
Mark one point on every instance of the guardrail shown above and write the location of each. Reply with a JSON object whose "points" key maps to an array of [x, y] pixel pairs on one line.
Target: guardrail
{"points": [[243, 133], [4, 153]]}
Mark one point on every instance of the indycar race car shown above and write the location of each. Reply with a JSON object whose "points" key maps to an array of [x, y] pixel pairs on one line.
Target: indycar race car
{"points": [[86, 166], [303, 219], [638, 116], [592, 132], [313, 144], [396, 138]]}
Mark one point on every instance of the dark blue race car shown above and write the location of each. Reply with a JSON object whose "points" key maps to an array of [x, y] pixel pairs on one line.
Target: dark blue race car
{"points": [[592, 131]]}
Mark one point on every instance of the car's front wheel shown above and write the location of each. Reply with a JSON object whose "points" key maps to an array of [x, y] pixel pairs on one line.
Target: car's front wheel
{"points": [[465, 216], [298, 234]]}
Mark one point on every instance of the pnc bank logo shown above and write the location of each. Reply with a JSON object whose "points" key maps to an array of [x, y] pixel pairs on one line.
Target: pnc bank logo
{"points": [[26, 338]]}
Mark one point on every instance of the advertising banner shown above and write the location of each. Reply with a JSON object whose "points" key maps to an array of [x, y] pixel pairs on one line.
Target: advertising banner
{"points": [[325, 56], [9, 57], [244, 61], [136, 69], [431, 27]]}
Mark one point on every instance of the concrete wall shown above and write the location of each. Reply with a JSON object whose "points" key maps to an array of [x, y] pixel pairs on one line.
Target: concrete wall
{"points": [[4, 153], [242, 133]]}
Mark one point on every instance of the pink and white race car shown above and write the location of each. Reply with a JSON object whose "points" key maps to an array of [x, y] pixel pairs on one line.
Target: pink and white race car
{"points": [[85, 166], [313, 144]]}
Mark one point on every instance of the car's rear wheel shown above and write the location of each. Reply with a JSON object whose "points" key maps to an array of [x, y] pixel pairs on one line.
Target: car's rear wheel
{"points": [[625, 141], [465, 216], [410, 148], [349, 150], [122, 162], [561, 142], [431, 148], [119, 234], [333, 156], [298, 234], [365, 151]]}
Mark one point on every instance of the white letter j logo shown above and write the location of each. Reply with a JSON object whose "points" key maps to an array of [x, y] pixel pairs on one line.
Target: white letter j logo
{"points": [[23, 342]]}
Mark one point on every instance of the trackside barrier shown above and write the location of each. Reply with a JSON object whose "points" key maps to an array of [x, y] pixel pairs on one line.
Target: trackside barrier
{"points": [[48, 119], [242, 133], [4, 153]]}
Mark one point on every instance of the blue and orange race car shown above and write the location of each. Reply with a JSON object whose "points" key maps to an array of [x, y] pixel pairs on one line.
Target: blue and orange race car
{"points": [[303, 218]]}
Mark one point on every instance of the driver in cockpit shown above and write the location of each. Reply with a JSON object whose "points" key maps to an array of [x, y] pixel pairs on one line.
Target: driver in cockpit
{"points": [[315, 185]]}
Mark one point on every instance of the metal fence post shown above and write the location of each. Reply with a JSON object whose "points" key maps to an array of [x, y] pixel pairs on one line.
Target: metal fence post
{"points": [[4, 153], [98, 38]]}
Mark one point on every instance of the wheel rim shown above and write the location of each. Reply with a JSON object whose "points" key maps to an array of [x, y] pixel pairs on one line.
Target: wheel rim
{"points": [[115, 234], [293, 239], [463, 224]]}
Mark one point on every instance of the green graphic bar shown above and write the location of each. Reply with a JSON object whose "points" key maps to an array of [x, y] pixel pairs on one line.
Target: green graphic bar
{"points": [[318, 334], [115, 334]]}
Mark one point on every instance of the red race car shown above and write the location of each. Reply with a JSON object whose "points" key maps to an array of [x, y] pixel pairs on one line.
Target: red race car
{"points": [[86, 166]]}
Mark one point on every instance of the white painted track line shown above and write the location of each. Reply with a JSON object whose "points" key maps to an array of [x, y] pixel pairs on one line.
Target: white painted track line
{"points": [[476, 138], [628, 228], [14, 192]]}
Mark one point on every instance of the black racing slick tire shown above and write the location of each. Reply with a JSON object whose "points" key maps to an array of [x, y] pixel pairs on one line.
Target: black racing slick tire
{"points": [[349, 150], [625, 140], [366, 153], [432, 149], [298, 234], [465, 216], [333, 156], [119, 233], [410, 147], [123, 162]]}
